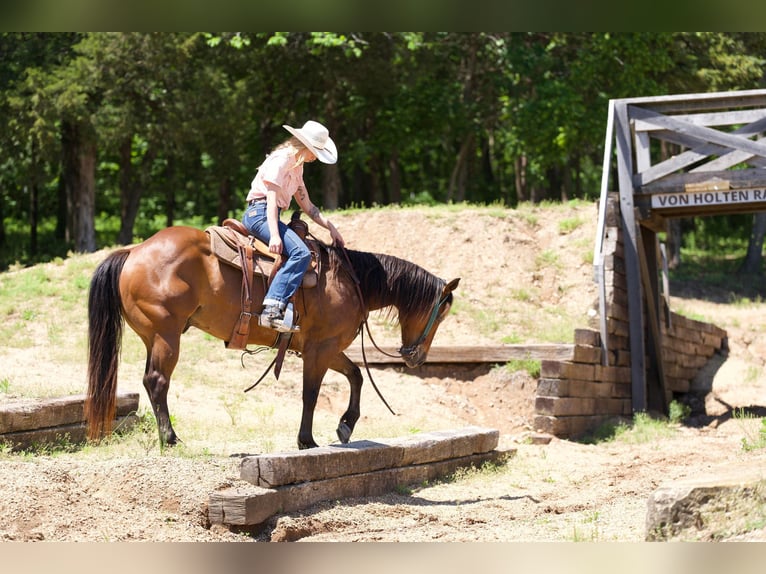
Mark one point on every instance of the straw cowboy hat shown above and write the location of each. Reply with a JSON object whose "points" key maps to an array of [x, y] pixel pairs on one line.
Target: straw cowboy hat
{"points": [[316, 137]]}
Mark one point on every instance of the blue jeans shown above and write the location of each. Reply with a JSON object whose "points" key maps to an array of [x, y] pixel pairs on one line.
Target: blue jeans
{"points": [[289, 276]]}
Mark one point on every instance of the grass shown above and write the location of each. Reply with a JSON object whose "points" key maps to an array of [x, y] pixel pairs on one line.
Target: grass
{"points": [[641, 429], [755, 436], [531, 366]]}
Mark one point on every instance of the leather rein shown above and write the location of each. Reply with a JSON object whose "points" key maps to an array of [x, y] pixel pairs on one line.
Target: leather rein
{"points": [[404, 351]]}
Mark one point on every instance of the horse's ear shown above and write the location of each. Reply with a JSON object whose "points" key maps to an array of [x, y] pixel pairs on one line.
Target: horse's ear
{"points": [[451, 286]]}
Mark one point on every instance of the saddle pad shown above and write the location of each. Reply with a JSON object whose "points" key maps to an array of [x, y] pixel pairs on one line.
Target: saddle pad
{"points": [[223, 243]]}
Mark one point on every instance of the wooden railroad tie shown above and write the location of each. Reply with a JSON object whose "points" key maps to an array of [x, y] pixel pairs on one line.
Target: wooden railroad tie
{"points": [[28, 422], [292, 481]]}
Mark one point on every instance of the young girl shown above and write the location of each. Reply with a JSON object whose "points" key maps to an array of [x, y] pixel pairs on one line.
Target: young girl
{"points": [[278, 180]]}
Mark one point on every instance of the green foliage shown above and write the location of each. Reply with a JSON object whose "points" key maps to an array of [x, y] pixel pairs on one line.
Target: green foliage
{"points": [[180, 121]]}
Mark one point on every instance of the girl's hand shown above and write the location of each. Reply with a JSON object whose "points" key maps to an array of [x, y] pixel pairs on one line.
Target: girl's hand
{"points": [[275, 244], [337, 239]]}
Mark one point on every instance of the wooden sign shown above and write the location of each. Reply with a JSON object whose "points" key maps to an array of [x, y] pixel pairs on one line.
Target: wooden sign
{"points": [[707, 198]]}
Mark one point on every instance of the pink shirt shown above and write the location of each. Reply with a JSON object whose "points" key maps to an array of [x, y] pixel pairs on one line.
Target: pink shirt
{"points": [[278, 169]]}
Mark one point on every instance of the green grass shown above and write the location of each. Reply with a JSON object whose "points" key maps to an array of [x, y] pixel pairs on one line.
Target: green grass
{"points": [[531, 366], [569, 224], [755, 436], [641, 429]]}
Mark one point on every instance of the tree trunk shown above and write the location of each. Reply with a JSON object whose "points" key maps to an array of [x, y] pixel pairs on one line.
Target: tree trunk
{"points": [[79, 173], [522, 189], [331, 186], [456, 191], [674, 244], [394, 179], [34, 204], [753, 263], [130, 193], [170, 195], [224, 199], [3, 236], [62, 203]]}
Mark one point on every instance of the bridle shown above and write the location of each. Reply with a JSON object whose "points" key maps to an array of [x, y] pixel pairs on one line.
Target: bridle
{"points": [[410, 350], [404, 352]]}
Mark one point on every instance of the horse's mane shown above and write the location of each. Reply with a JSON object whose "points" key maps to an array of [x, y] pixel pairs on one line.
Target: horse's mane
{"points": [[400, 283]]}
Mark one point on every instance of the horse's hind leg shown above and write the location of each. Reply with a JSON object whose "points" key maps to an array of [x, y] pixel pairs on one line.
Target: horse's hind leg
{"points": [[162, 357], [342, 364]]}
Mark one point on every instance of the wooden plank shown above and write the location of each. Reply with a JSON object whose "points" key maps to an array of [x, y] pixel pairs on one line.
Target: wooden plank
{"points": [[749, 178], [700, 152], [250, 506], [727, 118], [29, 414], [365, 456], [657, 395], [598, 250], [632, 272], [701, 101], [70, 433], [469, 354], [702, 134]]}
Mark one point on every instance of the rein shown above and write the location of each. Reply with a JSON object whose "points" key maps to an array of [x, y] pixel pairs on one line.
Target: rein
{"points": [[363, 325]]}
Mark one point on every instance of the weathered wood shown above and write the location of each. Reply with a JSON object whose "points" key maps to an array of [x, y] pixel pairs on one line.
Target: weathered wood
{"points": [[250, 506], [71, 433], [469, 354], [29, 414], [365, 456]]}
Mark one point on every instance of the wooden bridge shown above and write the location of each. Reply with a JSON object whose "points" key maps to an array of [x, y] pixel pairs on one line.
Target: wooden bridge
{"points": [[718, 169]]}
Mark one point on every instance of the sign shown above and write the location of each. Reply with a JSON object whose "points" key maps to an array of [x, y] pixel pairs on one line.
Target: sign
{"points": [[706, 198]]}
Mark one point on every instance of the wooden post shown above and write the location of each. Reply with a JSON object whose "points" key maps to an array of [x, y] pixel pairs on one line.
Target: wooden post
{"points": [[630, 245]]}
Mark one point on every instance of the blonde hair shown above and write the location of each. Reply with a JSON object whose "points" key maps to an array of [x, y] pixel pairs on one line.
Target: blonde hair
{"points": [[297, 146]]}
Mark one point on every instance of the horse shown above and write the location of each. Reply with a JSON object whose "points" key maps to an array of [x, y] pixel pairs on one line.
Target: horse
{"points": [[173, 281]]}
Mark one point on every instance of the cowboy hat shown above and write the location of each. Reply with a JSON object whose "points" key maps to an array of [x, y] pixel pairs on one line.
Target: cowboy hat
{"points": [[317, 139]]}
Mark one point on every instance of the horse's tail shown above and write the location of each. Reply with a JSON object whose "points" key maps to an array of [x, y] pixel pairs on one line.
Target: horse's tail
{"points": [[104, 341]]}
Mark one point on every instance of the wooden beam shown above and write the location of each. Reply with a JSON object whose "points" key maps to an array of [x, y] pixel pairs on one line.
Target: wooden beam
{"points": [[701, 133], [751, 178], [657, 396], [28, 422], [702, 101], [29, 414], [469, 354], [632, 271], [358, 457], [358, 469]]}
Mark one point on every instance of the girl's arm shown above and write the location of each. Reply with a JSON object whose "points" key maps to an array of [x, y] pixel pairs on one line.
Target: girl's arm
{"points": [[304, 202], [272, 216]]}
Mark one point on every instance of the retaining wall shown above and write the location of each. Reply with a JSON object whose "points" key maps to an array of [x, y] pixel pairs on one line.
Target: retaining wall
{"points": [[576, 396]]}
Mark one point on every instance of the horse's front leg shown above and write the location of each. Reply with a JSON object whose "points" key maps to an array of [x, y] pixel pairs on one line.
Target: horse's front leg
{"points": [[313, 372], [342, 364]]}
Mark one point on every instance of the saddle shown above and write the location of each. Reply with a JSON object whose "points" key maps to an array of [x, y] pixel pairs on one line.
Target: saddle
{"points": [[233, 245]]}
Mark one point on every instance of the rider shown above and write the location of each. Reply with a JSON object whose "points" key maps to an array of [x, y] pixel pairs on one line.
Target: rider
{"points": [[278, 180]]}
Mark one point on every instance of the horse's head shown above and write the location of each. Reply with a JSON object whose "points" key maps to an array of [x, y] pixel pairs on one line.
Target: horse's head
{"points": [[418, 331]]}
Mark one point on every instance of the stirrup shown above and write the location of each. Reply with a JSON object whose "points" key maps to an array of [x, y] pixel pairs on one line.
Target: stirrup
{"points": [[273, 318]]}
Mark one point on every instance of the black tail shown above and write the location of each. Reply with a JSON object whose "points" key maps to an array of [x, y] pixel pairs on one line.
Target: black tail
{"points": [[104, 341]]}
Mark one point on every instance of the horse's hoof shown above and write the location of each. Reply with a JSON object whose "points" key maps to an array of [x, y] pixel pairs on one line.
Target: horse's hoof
{"points": [[344, 432]]}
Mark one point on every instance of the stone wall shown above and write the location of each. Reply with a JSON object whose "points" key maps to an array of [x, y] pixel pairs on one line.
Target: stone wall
{"points": [[576, 396]]}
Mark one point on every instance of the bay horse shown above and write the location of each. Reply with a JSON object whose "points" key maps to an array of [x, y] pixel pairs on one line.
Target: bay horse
{"points": [[174, 281]]}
